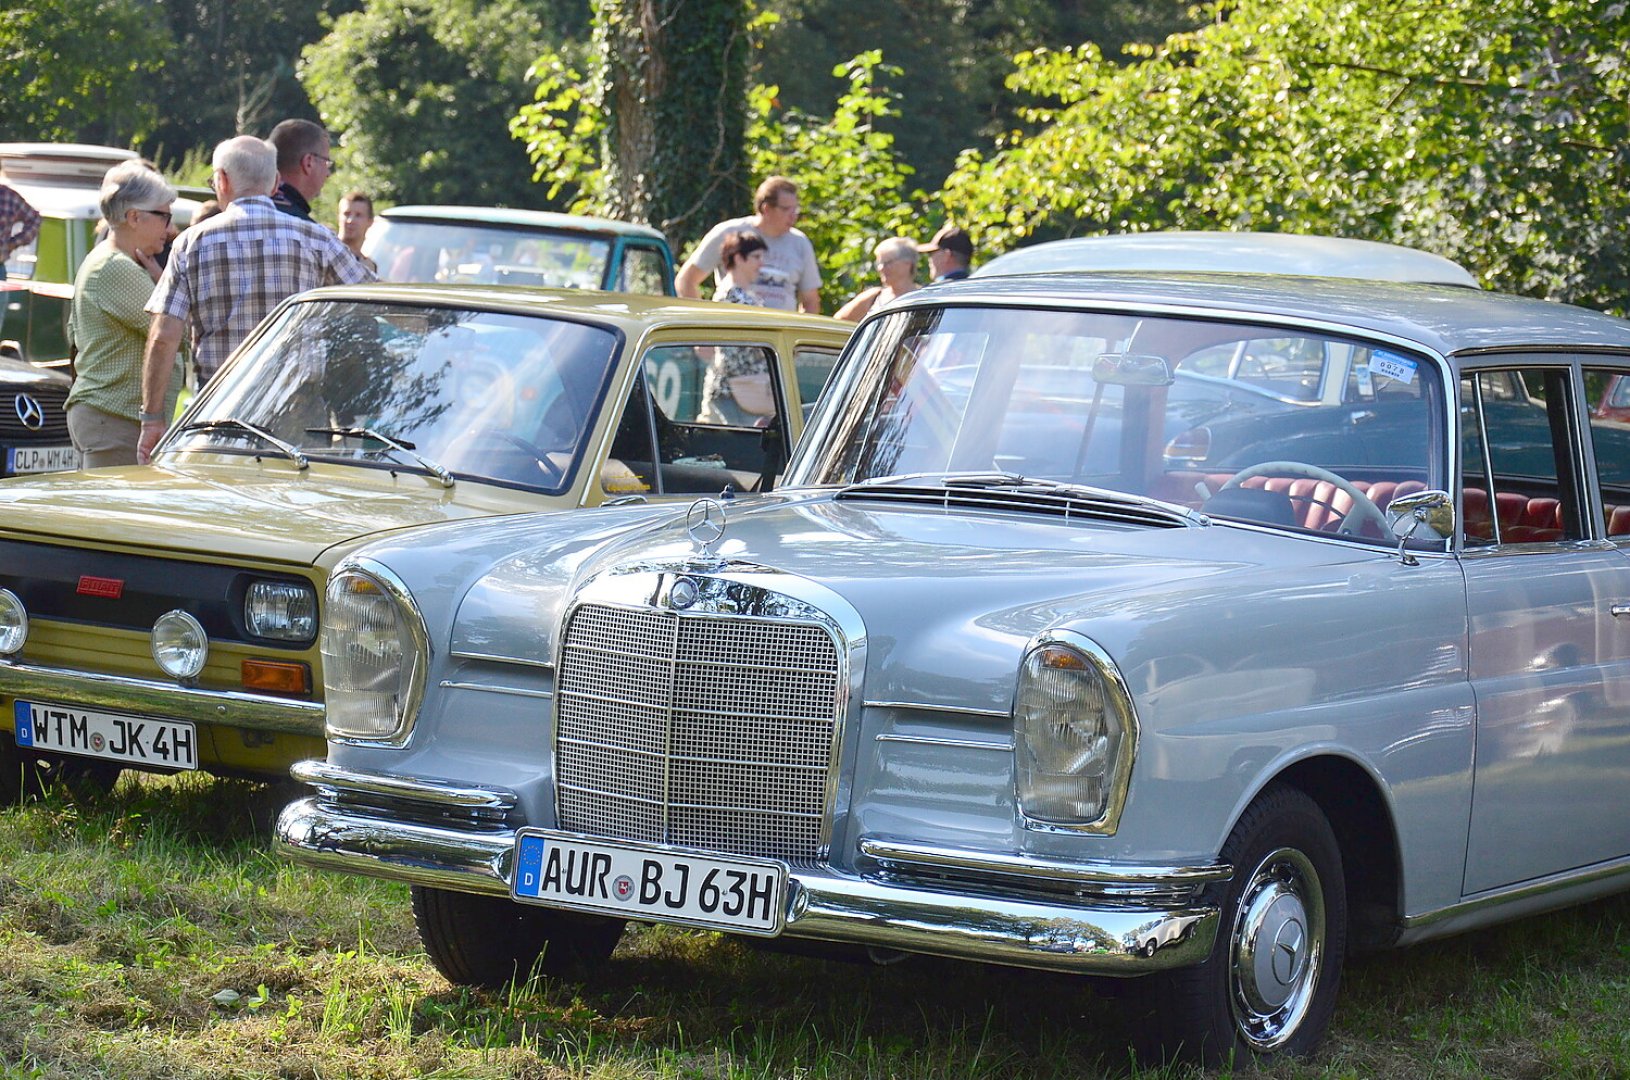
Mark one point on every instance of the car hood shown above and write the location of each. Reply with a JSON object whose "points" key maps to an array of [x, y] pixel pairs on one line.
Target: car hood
{"points": [[943, 597], [265, 511]]}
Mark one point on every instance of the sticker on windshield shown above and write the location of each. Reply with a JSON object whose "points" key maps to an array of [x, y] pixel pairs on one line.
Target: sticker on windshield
{"points": [[1392, 366]]}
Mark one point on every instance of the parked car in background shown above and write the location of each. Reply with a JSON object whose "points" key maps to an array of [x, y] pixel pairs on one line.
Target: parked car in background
{"points": [[1201, 716], [492, 246], [1241, 252], [167, 616], [33, 418], [62, 181]]}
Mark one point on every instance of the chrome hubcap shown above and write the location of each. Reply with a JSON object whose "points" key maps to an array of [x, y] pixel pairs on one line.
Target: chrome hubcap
{"points": [[1277, 945]]}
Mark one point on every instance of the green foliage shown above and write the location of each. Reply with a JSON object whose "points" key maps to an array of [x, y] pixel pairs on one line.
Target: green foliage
{"points": [[850, 180], [419, 94], [76, 70], [1490, 131]]}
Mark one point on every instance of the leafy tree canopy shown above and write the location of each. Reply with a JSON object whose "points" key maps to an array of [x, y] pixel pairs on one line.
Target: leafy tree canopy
{"points": [[76, 70], [421, 92], [1496, 132]]}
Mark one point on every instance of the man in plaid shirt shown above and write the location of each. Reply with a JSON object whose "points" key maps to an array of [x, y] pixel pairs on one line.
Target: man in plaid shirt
{"points": [[19, 224], [226, 275]]}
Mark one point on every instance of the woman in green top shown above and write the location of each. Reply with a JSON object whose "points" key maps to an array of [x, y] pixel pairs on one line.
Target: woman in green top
{"points": [[107, 324]]}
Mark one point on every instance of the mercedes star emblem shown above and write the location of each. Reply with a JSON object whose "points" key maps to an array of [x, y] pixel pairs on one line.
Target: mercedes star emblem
{"points": [[683, 594], [705, 523], [30, 412]]}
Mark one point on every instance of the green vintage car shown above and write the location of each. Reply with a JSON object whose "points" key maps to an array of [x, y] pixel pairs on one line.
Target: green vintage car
{"points": [[167, 616]]}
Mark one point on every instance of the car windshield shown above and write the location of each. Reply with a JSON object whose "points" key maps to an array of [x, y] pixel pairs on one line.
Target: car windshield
{"points": [[485, 395], [1155, 407], [453, 251]]}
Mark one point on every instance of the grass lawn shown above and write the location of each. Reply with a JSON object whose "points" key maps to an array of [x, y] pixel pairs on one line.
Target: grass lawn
{"points": [[151, 933]]}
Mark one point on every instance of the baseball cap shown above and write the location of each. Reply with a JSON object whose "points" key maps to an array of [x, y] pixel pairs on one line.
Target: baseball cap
{"points": [[950, 238]]}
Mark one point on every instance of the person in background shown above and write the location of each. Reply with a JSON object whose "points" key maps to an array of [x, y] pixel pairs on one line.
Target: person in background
{"points": [[206, 210], [356, 216], [303, 165], [789, 278], [896, 261], [741, 256], [227, 274], [19, 224], [107, 322], [950, 254], [736, 386]]}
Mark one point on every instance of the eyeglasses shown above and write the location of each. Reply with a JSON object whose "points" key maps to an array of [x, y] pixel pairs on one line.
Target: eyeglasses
{"points": [[325, 160], [165, 214]]}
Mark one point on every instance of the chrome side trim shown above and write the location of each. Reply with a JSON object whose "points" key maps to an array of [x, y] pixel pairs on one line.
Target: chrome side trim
{"points": [[1005, 747], [1070, 935], [1040, 868], [923, 706], [494, 658], [334, 779], [1527, 898], [449, 684], [159, 698]]}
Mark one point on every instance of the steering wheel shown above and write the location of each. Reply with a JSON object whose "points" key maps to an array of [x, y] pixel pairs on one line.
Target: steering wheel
{"points": [[552, 473], [1364, 509]]}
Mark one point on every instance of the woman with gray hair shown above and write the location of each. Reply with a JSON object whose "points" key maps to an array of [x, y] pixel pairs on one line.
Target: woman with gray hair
{"points": [[107, 324], [897, 267]]}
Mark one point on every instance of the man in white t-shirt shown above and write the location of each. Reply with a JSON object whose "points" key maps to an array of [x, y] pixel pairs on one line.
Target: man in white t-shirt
{"points": [[789, 279]]}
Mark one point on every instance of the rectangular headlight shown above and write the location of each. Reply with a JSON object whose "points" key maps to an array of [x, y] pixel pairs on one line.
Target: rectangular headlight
{"points": [[281, 610], [373, 649]]}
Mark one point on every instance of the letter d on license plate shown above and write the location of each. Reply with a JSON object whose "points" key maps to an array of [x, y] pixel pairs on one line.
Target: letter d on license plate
{"points": [[650, 883]]}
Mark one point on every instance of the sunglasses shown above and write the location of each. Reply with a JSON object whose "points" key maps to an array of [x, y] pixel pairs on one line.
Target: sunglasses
{"points": [[165, 214]]}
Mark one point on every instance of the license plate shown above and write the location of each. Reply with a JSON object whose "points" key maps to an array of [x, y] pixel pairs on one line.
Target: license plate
{"points": [[38, 459], [650, 883], [134, 740]]}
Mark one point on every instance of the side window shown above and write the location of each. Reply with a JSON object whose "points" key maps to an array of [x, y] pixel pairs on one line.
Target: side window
{"points": [[814, 368], [1610, 444], [710, 411], [642, 272], [1518, 478]]}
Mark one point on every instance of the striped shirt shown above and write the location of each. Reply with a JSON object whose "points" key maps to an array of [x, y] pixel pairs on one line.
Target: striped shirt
{"points": [[108, 325], [227, 274]]}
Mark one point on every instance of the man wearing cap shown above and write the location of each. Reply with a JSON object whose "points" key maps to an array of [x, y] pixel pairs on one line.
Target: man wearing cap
{"points": [[949, 254]]}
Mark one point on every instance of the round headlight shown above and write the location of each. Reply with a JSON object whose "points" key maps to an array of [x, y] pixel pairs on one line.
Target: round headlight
{"points": [[180, 645], [13, 623]]}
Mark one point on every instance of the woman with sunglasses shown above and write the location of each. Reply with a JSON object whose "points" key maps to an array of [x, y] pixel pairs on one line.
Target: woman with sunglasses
{"points": [[107, 325]]}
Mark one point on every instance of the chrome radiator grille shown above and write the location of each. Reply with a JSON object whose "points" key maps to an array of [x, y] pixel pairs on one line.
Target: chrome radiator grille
{"points": [[708, 732]]}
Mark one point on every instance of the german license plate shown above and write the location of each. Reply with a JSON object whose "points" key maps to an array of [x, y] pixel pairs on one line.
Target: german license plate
{"points": [[650, 883], [38, 459], [134, 740]]}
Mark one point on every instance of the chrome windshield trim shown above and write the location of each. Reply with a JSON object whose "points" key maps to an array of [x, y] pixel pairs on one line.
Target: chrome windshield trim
{"points": [[338, 779], [160, 698]]}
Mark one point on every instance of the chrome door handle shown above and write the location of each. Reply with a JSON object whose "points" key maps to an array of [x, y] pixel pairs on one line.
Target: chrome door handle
{"points": [[1619, 611]]}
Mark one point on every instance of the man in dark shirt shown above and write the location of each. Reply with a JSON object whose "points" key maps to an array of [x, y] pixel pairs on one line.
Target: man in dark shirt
{"points": [[949, 254], [303, 165]]}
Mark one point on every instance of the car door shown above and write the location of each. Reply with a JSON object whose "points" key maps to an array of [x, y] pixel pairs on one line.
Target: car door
{"points": [[1549, 660]]}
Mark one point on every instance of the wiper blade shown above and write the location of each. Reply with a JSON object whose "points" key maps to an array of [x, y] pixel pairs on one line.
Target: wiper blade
{"points": [[232, 423], [438, 471]]}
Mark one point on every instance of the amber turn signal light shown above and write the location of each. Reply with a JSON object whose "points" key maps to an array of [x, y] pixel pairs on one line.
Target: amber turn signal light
{"points": [[277, 676]]}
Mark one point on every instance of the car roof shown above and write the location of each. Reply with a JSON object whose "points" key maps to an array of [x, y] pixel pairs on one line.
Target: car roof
{"points": [[529, 219], [624, 309], [1448, 320], [1233, 252]]}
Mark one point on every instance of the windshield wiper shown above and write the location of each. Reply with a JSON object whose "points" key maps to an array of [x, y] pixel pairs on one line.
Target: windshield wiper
{"points": [[438, 471], [232, 423]]}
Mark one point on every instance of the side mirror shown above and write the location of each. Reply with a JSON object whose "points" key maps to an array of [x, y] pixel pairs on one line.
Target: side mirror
{"points": [[1432, 509]]}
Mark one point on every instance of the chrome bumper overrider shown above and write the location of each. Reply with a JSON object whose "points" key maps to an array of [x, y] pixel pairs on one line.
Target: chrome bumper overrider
{"points": [[153, 697], [1101, 933]]}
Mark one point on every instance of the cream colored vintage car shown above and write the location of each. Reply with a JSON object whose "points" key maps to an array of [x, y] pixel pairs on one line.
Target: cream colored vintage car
{"points": [[167, 616]]}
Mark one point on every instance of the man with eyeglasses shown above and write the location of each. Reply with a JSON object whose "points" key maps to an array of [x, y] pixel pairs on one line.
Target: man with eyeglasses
{"points": [[226, 275], [789, 278], [303, 165]]}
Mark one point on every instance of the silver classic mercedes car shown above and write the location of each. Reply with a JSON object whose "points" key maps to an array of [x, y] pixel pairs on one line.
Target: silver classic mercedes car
{"points": [[1186, 631]]}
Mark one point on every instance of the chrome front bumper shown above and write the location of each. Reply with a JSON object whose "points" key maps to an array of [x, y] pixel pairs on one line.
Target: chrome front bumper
{"points": [[155, 697], [1113, 927]]}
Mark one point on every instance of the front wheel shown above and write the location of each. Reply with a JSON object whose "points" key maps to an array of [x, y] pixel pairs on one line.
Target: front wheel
{"points": [[490, 941], [1269, 986]]}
